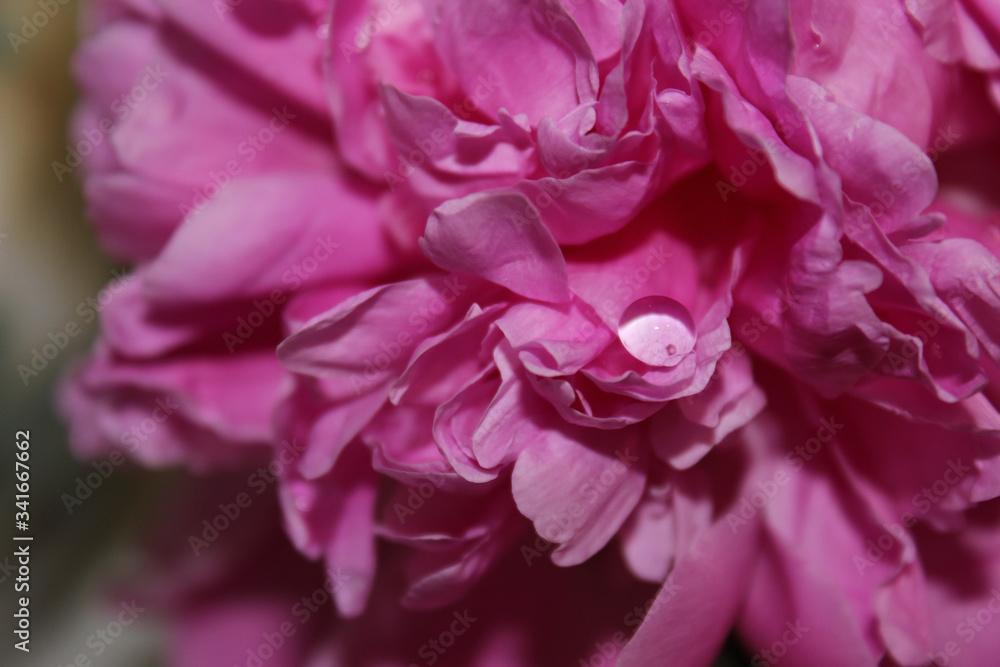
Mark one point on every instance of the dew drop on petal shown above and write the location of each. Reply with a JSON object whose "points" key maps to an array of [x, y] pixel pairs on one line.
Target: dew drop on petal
{"points": [[657, 330]]}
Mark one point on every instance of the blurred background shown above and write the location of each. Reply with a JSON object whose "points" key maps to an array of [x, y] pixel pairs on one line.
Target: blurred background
{"points": [[49, 264]]}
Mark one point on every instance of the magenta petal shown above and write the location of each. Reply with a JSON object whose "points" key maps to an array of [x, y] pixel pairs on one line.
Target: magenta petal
{"points": [[501, 238], [238, 219], [334, 518], [527, 56], [698, 602], [362, 342], [577, 495]]}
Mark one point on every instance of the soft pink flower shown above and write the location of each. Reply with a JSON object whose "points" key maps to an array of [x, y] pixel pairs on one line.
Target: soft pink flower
{"points": [[708, 282]]}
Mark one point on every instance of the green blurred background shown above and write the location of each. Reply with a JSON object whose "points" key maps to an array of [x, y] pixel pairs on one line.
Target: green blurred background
{"points": [[49, 263]]}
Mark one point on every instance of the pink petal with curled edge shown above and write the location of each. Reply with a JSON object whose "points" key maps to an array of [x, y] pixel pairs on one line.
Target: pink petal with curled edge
{"points": [[499, 237], [333, 518], [363, 341], [879, 166], [695, 608], [529, 57], [578, 494], [556, 339]]}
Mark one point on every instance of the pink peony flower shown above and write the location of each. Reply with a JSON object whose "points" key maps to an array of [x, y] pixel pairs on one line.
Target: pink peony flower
{"points": [[692, 306]]}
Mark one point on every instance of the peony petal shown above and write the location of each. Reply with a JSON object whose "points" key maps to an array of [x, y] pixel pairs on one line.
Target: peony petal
{"points": [[576, 495], [498, 237]]}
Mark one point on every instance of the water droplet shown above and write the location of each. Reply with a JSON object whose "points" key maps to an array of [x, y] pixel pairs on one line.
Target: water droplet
{"points": [[657, 330], [323, 31]]}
